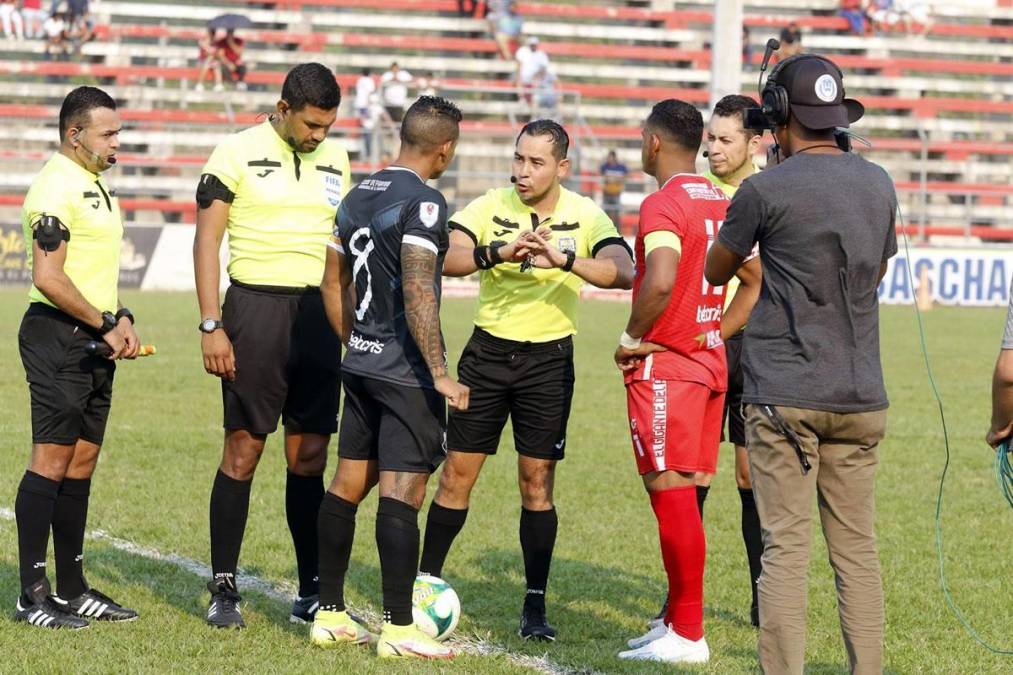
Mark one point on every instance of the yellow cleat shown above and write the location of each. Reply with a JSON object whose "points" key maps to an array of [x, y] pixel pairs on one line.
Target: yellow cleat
{"points": [[332, 629], [409, 642]]}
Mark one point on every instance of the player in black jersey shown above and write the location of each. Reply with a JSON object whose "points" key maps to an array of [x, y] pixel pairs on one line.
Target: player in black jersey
{"points": [[381, 290]]}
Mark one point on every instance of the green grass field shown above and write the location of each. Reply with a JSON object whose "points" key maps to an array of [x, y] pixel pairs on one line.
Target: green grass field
{"points": [[163, 446]]}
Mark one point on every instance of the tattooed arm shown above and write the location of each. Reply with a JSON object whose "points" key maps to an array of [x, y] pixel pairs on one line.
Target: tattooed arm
{"points": [[422, 311]]}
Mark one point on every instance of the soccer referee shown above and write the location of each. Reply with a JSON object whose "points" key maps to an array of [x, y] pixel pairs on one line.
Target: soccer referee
{"points": [[519, 360], [275, 189], [73, 233]]}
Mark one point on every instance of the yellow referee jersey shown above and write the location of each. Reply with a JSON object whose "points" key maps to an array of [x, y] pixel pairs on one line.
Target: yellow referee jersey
{"points": [[537, 305], [733, 284], [284, 206], [91, 213]]}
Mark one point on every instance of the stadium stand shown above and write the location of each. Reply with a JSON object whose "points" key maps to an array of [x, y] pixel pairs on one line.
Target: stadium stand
{"points": [[938, 104]]}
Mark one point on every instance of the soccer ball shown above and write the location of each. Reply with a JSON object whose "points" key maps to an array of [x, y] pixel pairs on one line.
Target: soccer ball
{"points": [[436, 608]]}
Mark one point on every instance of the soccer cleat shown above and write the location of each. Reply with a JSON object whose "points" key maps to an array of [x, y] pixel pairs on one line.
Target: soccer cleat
{"points": [[534, 625], [331, 629], [93, 604], [223, 611], [38, 607], [409, 642], [659, 619], [670, 648], [304, 609], [658, 631]]}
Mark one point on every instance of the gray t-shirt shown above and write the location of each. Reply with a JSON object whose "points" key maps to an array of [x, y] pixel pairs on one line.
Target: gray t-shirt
{"points": [[1007, 339], [825, 224]]}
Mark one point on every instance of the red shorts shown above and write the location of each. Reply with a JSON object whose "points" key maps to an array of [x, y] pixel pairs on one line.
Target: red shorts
{"points": [[675, 425]]}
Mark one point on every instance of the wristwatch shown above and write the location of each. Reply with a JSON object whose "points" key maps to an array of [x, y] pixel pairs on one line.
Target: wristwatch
{"points": [[108, 323], [209, 325], [124, 312]]}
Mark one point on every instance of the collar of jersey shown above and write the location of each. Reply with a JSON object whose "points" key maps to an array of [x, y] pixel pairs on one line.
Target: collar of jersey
{"points": [[520, 207], [405, 168], [67, 165]]}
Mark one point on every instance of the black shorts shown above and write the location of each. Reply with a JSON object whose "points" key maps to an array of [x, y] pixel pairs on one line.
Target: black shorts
{"points": [[733, 399], [529, 382], [70, 391], [403, 428], [288, 361]]}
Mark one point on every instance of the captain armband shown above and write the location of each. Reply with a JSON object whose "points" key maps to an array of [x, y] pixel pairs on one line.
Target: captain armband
{"points": [[211, 188], [50, 232]]}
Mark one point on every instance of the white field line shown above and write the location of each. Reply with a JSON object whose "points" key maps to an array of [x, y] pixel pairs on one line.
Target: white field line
{"points": [[284, 592]]}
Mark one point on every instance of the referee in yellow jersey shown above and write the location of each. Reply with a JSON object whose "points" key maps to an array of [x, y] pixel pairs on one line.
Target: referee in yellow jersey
{"points": [[519, 361], [73, 233], [275, 189]]}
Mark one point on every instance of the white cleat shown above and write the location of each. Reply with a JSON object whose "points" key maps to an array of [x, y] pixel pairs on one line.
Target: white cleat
{"points": [[658, 630], [670, 648]]}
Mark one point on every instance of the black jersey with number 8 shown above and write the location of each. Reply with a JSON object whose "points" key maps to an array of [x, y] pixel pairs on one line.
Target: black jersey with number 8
{"points": [[391, 208]]}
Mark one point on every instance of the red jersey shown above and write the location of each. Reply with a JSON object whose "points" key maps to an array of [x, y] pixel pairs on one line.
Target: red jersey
{"points": [[690, 327]]}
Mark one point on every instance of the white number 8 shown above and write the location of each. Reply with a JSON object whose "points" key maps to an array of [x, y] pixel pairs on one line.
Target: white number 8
{"points": [[361, 256]]}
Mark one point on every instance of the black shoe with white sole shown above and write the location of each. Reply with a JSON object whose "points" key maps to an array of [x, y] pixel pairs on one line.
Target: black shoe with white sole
{"points": [[223, 610], [38, 607], [93, 604], [534, 625]]}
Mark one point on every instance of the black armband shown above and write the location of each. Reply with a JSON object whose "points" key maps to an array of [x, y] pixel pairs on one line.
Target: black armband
{"points": [[50, 232], [211, 188], [487, 257], [571, 257]]}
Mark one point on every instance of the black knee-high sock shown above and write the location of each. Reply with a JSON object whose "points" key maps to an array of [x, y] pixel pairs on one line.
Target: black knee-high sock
{"points": [[33, 510], [442, 526], [538, 538], [302, 504], [397, 539], [69, 520], [701, 497], [335, 532], [230, 504], [751, 537]]}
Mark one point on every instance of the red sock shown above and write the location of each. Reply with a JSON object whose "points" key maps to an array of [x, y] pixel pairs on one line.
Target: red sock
{"points": [[683, 549]]}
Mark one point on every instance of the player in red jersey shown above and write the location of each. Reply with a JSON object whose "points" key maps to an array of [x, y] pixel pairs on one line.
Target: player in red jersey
{"points": [[674, 364]]}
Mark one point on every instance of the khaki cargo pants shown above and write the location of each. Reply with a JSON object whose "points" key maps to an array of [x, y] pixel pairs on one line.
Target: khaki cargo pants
{"points": [[841, 450]]}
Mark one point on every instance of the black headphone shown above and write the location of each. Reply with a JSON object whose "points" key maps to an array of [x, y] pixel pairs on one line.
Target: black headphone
{"points": [[774, 97]]}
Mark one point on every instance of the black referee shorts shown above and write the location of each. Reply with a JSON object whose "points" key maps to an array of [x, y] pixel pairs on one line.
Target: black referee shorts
{"points": [[733, 399], [70, 391], [529, 382], [288, 361], [404, 428]]}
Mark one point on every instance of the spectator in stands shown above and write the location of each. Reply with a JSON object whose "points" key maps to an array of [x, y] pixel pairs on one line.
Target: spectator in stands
{"points": [[546, 96], [791, 41], [507, 31], [747, 48], [81, 26], [10, 16], [377, 129], [55, 28], [394, 89], [365, 86], [914, 15], [882, 14], [613, 174], [530, 62], [853, 12], [427, 85], [34, 16], [467, 7], [210, 60], [231, 50]]}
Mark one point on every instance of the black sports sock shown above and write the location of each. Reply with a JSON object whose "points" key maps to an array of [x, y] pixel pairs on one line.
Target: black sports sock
{"points": [[752, 537], [397, 539], [69, 519], [701, 497], [230, 504], [302, 504], [33, 510], [538, 538], [442, 526], [335, 532]]}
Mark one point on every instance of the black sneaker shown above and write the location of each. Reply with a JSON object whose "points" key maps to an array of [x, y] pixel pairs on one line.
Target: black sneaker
{"points": [[534, 624], [38, 607], [223, 611], [304, 609], [93, 604]]}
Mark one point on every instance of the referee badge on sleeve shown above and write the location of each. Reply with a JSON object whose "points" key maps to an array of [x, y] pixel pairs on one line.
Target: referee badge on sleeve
{"points": [[429, 213]]}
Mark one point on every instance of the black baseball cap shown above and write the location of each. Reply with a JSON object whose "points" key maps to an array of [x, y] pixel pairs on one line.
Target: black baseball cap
{"points": [[816, 94]]}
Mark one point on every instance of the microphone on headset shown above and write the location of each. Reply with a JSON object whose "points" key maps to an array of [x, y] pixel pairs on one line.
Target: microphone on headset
{"points": [[513, 179], [94, 155], [706, 154], [772, 46]]}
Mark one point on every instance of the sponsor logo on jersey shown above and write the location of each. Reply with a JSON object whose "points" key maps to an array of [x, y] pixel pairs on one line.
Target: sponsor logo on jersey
{"points": [[332, 188], [429, 213], [707, 314], [659, 421], [374, 185], [704, 191], [709, 340], [361, 344], [568, 244]]}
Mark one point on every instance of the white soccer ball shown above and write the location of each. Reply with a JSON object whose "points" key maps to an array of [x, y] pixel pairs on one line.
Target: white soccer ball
{"points": [[436, 608]]}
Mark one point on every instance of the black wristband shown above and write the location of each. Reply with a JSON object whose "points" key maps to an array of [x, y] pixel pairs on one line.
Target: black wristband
{"points": [[124, 312], [108, 323], [494, 253], [484, 257], [571, 257]]}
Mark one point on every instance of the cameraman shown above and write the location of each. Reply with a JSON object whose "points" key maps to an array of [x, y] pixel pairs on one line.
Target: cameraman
{"points": [[815, 403]]}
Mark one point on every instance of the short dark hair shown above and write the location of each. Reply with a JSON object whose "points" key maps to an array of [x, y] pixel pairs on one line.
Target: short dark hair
{"points": [[77, 107], [430, 122], [553, 129], [311, 84], [735, 105], [678, 121]]}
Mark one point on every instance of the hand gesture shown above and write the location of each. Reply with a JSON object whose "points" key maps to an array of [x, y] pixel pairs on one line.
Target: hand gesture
{"points": [[630, 359], [133, 344], [117, 343], [543, 254], [996, 436], [219, 358], [515, 251], [457, 394]]}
